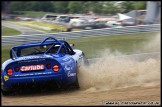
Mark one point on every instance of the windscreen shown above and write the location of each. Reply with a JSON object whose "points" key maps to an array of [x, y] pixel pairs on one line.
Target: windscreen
{"points": [[35, 50]]}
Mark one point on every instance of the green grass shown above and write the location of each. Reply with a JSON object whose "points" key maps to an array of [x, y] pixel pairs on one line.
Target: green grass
{"points": [[47, 31], [92, 47], [9, 32], [125, 44], [54, 27]]}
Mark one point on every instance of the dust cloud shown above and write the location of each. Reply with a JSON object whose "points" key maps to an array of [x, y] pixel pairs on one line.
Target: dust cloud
{"points": [[111, 72], [154, 43]]}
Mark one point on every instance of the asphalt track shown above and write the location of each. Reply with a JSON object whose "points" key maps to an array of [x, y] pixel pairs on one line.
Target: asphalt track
{"points": [[97, 92]]}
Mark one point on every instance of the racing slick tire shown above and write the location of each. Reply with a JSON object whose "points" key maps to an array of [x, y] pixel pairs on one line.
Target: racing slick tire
{"points": [[5, 93], [85, 63], [76, 83]]}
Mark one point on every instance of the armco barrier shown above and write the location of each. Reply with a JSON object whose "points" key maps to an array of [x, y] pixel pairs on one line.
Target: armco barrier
{"points": [[21, 39]]}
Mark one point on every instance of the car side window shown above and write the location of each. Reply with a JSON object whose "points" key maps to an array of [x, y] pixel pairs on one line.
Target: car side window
{"points": [[62, 50], [69, 51], [54, 49]]}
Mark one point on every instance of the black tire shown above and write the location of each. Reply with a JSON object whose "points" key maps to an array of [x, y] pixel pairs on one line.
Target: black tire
{"points": [[75, 85], [6, 93]]}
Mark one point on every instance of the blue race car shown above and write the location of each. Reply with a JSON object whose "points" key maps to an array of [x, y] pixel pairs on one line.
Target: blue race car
{"points": [[41, 62]]}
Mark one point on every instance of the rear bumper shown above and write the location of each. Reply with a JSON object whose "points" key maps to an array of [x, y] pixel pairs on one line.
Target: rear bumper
{"points": [[12, 82]]}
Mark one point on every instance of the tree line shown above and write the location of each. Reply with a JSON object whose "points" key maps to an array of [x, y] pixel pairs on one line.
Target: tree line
{"points": [[99, 7]]}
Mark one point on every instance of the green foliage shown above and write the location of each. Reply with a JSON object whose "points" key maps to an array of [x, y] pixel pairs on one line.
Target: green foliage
{"points": [[107, 7], [75, 6], [18, 5], [140, 5], [110, 8], [127, 6], [31, 5], [60, 7]]}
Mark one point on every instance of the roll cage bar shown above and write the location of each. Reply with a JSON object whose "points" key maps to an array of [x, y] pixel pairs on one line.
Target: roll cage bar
{"points": [[62, 43]]}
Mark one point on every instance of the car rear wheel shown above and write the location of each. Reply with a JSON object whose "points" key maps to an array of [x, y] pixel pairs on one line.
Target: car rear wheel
{"points": [[5, 93], [76, 83]]}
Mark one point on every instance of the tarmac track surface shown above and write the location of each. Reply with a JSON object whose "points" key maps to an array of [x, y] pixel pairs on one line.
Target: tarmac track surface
{"points": [[98, 92]]}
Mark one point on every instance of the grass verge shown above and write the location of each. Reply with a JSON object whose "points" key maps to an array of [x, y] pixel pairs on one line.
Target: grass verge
{"points": [[9, 32], [53, 27], [93, 47]]}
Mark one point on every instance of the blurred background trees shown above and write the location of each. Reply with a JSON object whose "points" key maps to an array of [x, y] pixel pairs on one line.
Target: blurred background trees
{"points": [[98, 7]]}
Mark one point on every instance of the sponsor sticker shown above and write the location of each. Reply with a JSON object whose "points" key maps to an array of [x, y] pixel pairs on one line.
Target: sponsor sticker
{"points": [[71, 74], [32, 67], [6, 77]]}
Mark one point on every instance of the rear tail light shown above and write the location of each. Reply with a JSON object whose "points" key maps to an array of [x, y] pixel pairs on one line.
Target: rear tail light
{"points": [[9, 72], [16, 69], [55, 68], [48, 66]]}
